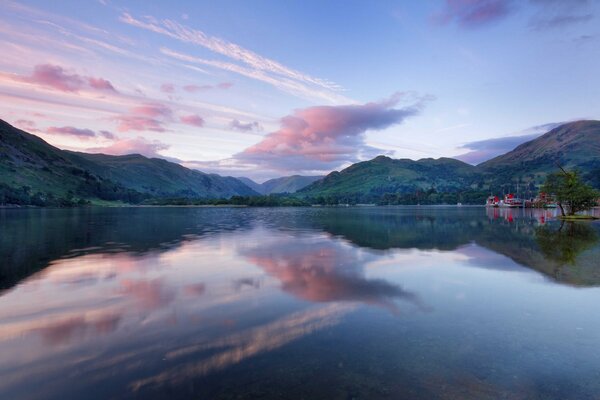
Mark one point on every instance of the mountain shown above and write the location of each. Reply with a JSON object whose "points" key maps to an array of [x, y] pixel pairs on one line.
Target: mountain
{"points": [[572, 145], [257, 187], [29, 165], [381, 175], [158, 177], [288, 184], [285, 184]]}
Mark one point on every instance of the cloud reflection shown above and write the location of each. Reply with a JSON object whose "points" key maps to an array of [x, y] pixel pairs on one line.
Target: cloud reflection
{"points": [[248, 343], [324, 270]]}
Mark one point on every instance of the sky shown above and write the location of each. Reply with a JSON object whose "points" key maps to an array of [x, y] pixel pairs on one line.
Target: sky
{"points": [[266, 88]]}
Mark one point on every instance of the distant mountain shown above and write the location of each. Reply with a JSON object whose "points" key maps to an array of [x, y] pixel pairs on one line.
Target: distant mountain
{"points": [[288, 184], [572, 145], [257, 187], [29, 164], [285, 184], [382, 175]]}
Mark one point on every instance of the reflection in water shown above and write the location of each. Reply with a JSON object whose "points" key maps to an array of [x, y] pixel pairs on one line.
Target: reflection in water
{"points": [[235, 348], [270, 303], [565, 243], [319, 269]]}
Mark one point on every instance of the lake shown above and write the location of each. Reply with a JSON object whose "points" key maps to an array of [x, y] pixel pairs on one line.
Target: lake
{"points": [[298, 303]]}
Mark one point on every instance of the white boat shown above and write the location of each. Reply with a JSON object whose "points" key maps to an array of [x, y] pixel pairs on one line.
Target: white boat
{"points": [[511, 201]]}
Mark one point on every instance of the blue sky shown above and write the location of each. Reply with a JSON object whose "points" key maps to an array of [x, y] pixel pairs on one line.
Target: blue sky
{"points": [[271, 88]]}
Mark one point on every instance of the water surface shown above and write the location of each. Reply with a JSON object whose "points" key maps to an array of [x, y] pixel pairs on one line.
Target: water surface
{"points": [[308, 303]]}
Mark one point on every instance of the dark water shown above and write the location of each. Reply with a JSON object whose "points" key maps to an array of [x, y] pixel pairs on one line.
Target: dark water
{"points": [[321, 303]]}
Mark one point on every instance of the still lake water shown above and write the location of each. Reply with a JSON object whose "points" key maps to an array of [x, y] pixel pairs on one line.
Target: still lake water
{"points": [[298, 303]]}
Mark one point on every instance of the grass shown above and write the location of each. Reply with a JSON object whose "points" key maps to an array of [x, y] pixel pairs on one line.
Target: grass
{"points": [[577, 217]]}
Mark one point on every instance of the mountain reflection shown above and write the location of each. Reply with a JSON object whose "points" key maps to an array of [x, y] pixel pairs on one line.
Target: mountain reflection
{"points": [[319, 269]]}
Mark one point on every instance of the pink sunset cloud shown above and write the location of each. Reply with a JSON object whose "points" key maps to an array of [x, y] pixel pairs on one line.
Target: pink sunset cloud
{"points": [[323, 137], [58, 78], [101, 84], [193, 120], [137, 145], [146, 117], [198, 88]]}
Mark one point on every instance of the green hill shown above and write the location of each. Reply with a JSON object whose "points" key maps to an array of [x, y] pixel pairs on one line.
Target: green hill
{"points": [[369, 180], [33, 171], [160, 178], [572, 145]]}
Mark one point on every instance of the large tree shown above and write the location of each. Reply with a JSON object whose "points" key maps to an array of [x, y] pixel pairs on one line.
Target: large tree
{"points": [[570, 191]]}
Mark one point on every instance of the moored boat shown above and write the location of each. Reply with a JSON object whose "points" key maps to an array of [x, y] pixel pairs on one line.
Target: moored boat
{"points": [[492, 201], [511, 201]]}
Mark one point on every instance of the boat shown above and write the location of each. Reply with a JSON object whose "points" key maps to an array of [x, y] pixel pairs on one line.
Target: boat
{"points": [[492, 201], [511, 201]]}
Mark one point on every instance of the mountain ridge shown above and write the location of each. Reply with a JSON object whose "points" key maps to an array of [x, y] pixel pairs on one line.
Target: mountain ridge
{"points": [[31, 165]]}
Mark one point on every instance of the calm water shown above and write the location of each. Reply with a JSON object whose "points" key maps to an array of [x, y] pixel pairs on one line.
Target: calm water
{"points": [[321, 303]]}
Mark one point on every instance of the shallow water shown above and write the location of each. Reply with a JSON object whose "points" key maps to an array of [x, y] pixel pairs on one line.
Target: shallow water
{"points": [[307, 303]]}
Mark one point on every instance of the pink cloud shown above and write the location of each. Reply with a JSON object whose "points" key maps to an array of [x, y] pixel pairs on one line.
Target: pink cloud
{"points": [[167, 88], [101, 84], [225, 85], [198, 88], [152, 110], [56, 77], [194, 120], [71, 131], [245, 127], [146, 117], [137, 145], [324, 137], [473, 13]]}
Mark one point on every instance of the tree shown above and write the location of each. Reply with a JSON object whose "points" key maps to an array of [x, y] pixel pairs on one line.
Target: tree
{"points": [[570, 191]]}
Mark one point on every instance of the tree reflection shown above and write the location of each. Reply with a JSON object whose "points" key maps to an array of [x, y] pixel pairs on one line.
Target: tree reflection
{"points": [[564, 244]]}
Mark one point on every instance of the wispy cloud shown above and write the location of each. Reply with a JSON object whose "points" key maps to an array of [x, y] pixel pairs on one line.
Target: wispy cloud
{"points": [[225, 48], [559, 21], [167, 88], [72, 131], [198, 88], [193, 120], [290, 86], [245, 127], [247, 62], [473, 13], [483, 150], [557, 14]]}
